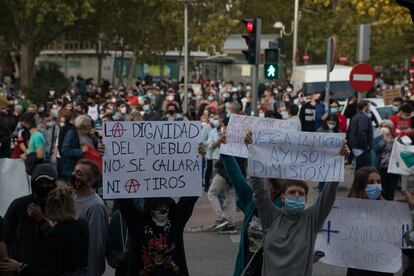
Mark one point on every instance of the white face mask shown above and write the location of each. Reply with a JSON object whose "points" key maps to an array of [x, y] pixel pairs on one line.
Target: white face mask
{"points": [[123, 110], [385, 130], [261, 115], [62, 124], [160, 218]]}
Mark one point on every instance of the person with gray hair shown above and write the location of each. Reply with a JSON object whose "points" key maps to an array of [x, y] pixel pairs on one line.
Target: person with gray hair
{"points": [[83, 124], [381, 153]]}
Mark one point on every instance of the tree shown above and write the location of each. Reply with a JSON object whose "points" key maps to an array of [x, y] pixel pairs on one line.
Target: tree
{"points": [[29, 25]]}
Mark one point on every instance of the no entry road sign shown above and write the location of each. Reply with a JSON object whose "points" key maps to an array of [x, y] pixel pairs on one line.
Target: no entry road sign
{"points": [[362, 77]]}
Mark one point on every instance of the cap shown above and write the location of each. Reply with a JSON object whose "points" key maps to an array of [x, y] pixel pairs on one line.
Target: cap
{"points": [[44, 171]]}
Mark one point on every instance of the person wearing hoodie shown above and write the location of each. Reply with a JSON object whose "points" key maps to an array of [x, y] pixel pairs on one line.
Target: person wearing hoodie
{"points": [[156, 244], [24, 222], [66, 242], [291, 231]]}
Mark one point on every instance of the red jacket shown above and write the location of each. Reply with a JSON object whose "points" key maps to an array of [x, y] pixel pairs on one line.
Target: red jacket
{"points": [[400, 125], [342, 122]]}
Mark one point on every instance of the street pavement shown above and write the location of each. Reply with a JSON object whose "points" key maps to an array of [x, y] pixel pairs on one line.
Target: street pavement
{"points": [[210, 253]]}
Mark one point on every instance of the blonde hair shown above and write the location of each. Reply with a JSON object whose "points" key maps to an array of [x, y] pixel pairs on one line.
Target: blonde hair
{"points": [[60, 206]]}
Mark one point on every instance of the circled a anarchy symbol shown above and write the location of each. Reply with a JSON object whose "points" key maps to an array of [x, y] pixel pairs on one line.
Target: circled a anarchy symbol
{"points": [[132, 186], [117, 130]]}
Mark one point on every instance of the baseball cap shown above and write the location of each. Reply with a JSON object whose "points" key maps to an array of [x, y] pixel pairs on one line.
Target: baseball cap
{"points": [[44, 171]]}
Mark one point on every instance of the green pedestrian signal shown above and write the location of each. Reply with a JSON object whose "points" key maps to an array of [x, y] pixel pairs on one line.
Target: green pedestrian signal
{"points": [[271, 72], [271, 68]]}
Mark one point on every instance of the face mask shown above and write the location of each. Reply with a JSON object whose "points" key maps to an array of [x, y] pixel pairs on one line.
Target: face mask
{"points": [[123, 110], [23, 97], [331, 126], [52, 92], [294, 205], [42, 192], [73, 181], [228, 114], [395, 109], [288, 90], [210, 98], [189, 95], [41, 109], [170, 98], [15, 102], [235, 97], [113, 100], [369, 114], [101, 116], [130, 94], [216, 123], [145, 108], [50, 124], [149, 94], [226, 95], [385, 130], [203, 124], [405, 116], [160, 217], [373, 191], [62, 124], [171, 112], [261, 115], [334, 110]]}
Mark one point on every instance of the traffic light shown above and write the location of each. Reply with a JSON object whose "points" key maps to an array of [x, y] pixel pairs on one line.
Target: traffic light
{"points": [[408, 4], [253, 27], [271, 64]]}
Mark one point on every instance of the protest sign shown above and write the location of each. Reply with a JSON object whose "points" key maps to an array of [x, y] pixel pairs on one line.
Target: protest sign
{"points": [[14, 182], [389, 95], [365, 234], [239, 125], [401, 159], [151, 159], [288, 154]]}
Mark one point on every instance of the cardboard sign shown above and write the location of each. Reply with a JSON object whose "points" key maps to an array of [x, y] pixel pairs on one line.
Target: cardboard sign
{"points": [[389, 95], [152, 159], [365, 234], [238, 127], [288, 154], [14, 182], [401, 159]]}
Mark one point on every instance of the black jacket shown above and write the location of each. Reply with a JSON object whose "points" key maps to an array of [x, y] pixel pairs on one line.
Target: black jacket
{"points": [[25, 241], [360, 132], [157, 250]]}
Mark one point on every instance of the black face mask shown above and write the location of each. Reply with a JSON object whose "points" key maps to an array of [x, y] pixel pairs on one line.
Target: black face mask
{"points": [[73, 181], [42, 192], [171, 112]]}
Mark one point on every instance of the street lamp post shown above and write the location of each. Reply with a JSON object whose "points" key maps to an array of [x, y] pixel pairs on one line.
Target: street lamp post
{"points": [[186, 2], [295, 33]]}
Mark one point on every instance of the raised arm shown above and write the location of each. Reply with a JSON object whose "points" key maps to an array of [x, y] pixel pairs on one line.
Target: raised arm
{"points": [[268, 212], [243, 191], [323, 206]]}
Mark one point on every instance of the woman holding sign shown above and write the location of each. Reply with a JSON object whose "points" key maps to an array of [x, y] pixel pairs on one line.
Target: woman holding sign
{"points": [[366, 185]]}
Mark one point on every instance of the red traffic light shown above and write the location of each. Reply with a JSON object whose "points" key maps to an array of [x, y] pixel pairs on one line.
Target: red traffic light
{"points": [[249, 26]]}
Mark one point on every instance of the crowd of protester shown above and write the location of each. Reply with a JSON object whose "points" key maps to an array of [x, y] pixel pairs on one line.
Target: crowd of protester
{"points": [[63, 229]]}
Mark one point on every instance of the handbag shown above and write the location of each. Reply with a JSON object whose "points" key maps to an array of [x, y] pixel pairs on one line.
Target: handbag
{"points": [[254, 267]]}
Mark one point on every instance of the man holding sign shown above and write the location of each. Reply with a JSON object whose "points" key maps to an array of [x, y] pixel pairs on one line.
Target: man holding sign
{"points": [[291, 231]]}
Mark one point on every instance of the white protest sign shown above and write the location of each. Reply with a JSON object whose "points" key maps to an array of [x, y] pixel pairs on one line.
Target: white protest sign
{"points": [[239, 125], [151, 159], [364, 234], [287, 154], [401, 159], [14, 182]]}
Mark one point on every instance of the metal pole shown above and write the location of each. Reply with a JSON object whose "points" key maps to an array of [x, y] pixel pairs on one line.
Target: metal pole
{"points": [[254, 88], [328, 72], [295, 33], [185, 56]]}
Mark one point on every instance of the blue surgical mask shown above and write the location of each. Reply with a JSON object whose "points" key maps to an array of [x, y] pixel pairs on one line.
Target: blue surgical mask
{"points": [[395, 109], [294, 205], [373, 191], [146, 107], [216, 123], [331, 126], [334, 110]]}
